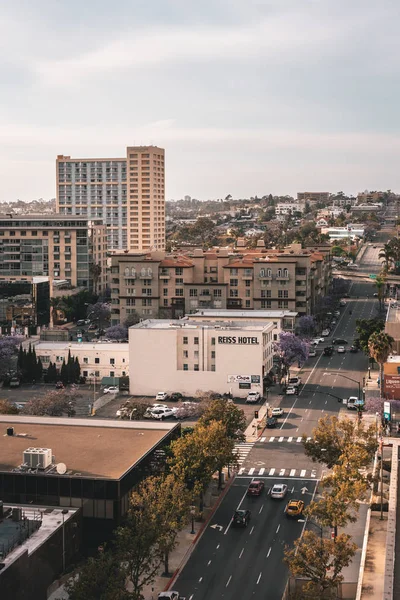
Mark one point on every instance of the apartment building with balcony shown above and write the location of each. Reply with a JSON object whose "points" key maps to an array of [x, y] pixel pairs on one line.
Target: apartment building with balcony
{"points": [[64, 248], [127, 194], [158, 285]]}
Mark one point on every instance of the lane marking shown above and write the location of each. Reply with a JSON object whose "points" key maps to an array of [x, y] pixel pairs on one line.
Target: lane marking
{"points": [[282, 472], [238, 507], [261, 472], [303, 473], [299, 439], [277, 529], [229, 580], [240, 555], [263, 439], [271, 471], [241, 471], [290, 439], [251, 530], [209, 563], [281, 439], [200, 580], [269, 552], [251, 471], [292, 473], [261, 509], [217, 546], [271, 439], [259, 577]]}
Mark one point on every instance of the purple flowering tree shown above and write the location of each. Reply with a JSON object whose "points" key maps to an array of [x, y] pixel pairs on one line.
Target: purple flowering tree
{"points": [[291, 349], [8, 349], [117, 332], [307, 326]]}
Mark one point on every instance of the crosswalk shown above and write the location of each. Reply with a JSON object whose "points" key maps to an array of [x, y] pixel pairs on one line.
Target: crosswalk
{"points": [[277, 472], [242, 451], [281, 439]]}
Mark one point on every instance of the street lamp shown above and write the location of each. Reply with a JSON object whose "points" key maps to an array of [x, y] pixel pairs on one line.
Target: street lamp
{"points": [[350, 379], [192, 514], [63, 512]]}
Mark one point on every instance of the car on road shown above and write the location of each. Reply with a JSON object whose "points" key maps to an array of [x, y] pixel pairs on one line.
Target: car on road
{"points": [[92, 327], [272, 422], [170, 595], [277, 412], [375, 295], [341, 349], [60, 385], [294, 508], [81, 322], [241, 518], [351, 403], [159, 413], [291, 391], [328, 351], [312, 352], [279, 490], [342, 303], [162, 396], [325, 332], [339, 342], [156, 405], [111, 389], [294, 381], [333, 322], [353, 349], [15, 382], [337, 313], [255, 488], [18, 405], [253, 397]]}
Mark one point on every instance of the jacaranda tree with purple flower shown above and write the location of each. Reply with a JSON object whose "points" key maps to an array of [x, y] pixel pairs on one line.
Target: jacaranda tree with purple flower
{"points": [[291, 349]]}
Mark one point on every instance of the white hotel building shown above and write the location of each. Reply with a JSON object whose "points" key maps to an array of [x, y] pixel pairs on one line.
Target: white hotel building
{"points": [[187, 356]]}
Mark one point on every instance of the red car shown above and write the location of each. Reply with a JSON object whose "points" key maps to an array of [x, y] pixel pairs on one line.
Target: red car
{"points": [[255, 488]]}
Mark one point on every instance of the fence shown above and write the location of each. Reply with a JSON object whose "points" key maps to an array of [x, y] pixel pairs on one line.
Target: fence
{"points": [[16, 532]]}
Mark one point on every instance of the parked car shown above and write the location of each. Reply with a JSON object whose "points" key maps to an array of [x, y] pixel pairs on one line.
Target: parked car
{"points": [[159, 413], [353, 349], [272, 423], [14, 382], [241, 518], [92, 327], [351, 403], [342, 303], [312, 352], [277, 412], [294, 508], [175, 396], [111, 389], [253, 397], [326, 332], [80, 322], [294, 381], [156, 405], [279, 490], [341, 349], [375, 295], [333, 322], [60, 385], [337, 313], [255, 488], [162, 396], [18, 405]]}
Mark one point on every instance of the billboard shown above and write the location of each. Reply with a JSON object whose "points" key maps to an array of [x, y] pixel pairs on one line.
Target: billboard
{"points": [[391, 386], [239, 378]]}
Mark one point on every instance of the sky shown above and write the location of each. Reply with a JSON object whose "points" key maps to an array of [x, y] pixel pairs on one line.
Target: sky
{"points": [[247, 98]]}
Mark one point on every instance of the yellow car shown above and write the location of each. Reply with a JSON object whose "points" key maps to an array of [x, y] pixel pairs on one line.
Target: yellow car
{"points": [[294, 508]]}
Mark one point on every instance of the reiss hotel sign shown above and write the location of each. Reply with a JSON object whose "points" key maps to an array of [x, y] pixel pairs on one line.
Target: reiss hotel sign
{"points": [[237, 340]]}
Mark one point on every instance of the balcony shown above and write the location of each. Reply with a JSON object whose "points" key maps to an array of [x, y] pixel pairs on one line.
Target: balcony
{"points": [[282, 277], [264, 275], [130, 276], [165, 275], [147, 275], [248, 277], [234, 303]]}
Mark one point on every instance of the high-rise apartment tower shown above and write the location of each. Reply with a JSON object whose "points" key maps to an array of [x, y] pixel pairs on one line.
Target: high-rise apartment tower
{"points": [[128, 194]]}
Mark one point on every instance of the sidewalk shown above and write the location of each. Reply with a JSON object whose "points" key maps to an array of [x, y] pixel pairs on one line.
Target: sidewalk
{"points": [[255, 428]]}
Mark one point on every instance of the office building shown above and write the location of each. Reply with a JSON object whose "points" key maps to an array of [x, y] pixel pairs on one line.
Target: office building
{"points": [[225, 357], [24, 303], [128, 194], [90, 464], [159, 285], [63, 248]]}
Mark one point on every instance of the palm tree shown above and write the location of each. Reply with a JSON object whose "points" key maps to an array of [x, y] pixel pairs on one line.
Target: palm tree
{"points": [[380, 284], [380, 346], [95, 271], [386, 255]]}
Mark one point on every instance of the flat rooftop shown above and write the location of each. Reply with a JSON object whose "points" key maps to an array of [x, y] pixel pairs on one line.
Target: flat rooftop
{"points": [[74, 346], [51, 518], [91, 447], [230, 315], [192, 324]]}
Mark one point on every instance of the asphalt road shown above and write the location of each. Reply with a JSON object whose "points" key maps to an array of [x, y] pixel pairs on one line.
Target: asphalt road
{"points": [[248, 563], [240, 563]]}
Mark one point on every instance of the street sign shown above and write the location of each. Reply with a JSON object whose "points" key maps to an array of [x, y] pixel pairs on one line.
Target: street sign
{"points": [[373, 276], [387, 414]]}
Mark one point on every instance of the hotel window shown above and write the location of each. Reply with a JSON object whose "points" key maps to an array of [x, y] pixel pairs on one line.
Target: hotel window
{"points": [[196, 367], [233, 282], [196, 341], [213, 354], [212, 341], [97, 361], [196, 354], [247, 303], [247, 293], [185, 354], [179, 281], [85, 361], [112, 361], [185, 340], [185, 367], [212, 367], [165, 291]]}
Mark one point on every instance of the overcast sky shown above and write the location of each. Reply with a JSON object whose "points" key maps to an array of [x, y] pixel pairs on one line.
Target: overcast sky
{"points": [[247, 97]]}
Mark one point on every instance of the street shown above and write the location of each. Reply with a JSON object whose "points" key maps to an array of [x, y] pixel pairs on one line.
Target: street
{"points": [[248, 563]]}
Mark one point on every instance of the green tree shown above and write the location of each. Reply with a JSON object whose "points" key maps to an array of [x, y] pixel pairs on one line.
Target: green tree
{"points": [[320, 561], [95, 272], [227, 413], [7, 408], [380, 345], [77, 370], [64, 373], [341, 442], [100, 578], [365, 328]]}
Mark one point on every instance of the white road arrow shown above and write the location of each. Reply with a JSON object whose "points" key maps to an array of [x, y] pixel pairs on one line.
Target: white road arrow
{"points": [[304, 490], [216, 527]]}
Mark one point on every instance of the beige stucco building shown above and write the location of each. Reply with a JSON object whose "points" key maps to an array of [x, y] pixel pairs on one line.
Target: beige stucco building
{"points": [[188, 356], [157, 284], [282, 320], [128, 194], [64, 248], [97, 360]]}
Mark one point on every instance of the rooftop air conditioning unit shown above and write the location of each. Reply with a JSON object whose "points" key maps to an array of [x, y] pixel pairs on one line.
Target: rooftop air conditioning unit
{"points": [[37, 458]]}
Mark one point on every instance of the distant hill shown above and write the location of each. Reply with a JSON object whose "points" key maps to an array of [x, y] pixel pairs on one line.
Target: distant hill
{"points": [[19, 207]]}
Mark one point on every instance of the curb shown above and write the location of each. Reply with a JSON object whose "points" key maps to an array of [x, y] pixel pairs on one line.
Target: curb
{"points": [[199, 534]]}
